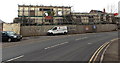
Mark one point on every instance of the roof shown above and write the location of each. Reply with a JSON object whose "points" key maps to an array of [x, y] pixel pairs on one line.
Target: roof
{"points": [[44, 6], [1, 21], [96, 11]]}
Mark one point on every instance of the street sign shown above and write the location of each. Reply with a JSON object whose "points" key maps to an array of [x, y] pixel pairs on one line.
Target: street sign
{"points": [[94, 27], [115, 14], [86, 28], [48, 17]]}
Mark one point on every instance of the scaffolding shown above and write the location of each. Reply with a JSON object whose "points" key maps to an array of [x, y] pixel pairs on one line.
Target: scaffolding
{"points": [[35, 14], [48, 15]]}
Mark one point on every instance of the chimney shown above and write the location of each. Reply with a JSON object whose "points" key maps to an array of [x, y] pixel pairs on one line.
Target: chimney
{"points": [[104, 10]]}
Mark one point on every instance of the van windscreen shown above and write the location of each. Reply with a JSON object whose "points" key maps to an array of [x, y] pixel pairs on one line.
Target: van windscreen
{"points": [[55, 28]]}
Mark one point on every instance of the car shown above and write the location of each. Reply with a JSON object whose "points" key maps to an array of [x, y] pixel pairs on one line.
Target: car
{"points": [[10, 36]]}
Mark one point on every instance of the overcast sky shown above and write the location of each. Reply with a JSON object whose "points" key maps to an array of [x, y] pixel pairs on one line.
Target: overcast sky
{"points": [[8, 8]]}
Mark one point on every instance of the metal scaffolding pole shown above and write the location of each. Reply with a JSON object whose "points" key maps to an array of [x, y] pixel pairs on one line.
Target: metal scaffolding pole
{"points": [[29, 13], [42, 16], [23, 14]]}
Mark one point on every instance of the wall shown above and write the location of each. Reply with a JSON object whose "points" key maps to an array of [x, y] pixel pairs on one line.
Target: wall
{"points": [[73, 29], [34, 30], [12, 27], [106, 27], [42, 30]]}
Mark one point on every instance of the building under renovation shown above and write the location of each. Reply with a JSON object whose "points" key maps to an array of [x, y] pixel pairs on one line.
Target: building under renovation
{"points": [[35, 14], [94, 17], [42, 15]]}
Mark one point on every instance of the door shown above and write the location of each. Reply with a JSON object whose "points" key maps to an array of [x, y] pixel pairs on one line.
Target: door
{"points": [[4, 37], [55, 30]]}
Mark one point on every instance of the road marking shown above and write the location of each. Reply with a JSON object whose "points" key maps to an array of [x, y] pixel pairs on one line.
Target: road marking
{"points": [[85, 37], [89, 43], [45, 48], [95, 55], [101, 59], [115, 39], [102, 56], [15, 58], [96, 52], [56, 45], [100, 50], [81, 38], [78, 39]]}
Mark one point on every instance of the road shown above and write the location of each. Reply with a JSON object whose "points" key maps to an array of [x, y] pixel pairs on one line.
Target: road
{"points": [[79, 47]]}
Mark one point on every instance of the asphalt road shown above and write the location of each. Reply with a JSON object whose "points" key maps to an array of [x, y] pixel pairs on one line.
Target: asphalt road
{"points": [[69, 48]]}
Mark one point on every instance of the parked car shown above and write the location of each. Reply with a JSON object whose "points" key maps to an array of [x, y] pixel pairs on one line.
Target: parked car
{"points": [[10, 36], [58, 30]]}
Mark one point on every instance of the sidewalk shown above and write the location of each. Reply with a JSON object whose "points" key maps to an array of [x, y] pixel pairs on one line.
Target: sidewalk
{"points": [[112, 53]]}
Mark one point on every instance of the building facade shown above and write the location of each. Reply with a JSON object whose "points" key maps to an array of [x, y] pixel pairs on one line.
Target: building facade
{"points": [[92, 18], [34, 14]]}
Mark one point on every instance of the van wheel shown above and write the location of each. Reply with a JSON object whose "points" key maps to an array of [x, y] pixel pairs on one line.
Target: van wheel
{"points": [[51, 34], [65, 33], [9, 40], [19, 39]]}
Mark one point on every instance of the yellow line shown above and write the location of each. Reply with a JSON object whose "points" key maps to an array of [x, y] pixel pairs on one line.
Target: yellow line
{"points": [[102, 56], [95, 53], [101, 59], [100, 50]]}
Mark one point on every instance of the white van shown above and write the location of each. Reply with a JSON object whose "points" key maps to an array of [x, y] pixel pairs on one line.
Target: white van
{"points": [[58, 30]]}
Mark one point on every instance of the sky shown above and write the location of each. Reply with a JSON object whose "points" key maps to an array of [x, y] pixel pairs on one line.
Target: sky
{"points": [[8, 8]]}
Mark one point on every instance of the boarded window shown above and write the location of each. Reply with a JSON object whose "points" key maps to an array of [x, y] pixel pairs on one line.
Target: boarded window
{"points": [[32, 13]]}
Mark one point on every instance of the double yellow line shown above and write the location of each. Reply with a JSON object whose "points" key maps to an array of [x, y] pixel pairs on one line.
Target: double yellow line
{"points": [[97, 52]]}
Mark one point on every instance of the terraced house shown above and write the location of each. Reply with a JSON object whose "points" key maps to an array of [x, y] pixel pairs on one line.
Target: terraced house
{"points": [[35, 14]]}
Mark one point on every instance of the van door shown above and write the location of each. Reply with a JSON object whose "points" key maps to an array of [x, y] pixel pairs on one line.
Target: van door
{"points": [[55, 30]]}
